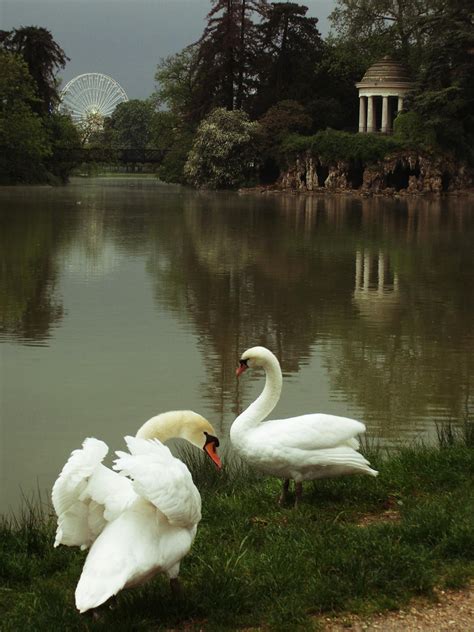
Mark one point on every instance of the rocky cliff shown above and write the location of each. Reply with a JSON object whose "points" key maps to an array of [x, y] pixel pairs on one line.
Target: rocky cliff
{"points": [[407, 172]]}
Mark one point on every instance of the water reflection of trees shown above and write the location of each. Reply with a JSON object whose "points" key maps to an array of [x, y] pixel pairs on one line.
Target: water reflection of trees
{"points": [[383, 289], [283, 272], [29, 241]]}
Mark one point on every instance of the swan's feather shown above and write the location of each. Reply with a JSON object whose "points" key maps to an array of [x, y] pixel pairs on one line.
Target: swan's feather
{"points": [[162, 479], [316, 431], [130, 550], [87, 495]]}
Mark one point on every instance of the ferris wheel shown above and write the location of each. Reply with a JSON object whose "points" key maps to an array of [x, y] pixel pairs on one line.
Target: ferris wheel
{"points": [[92, 95]]}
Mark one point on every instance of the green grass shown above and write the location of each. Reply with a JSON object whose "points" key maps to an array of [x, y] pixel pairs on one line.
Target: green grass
{"points": [[355, 544]]}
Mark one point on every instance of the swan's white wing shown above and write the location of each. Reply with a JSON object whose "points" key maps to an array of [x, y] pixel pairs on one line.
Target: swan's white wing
{"points": [[87, 495], [316, 431], [162, 479]]}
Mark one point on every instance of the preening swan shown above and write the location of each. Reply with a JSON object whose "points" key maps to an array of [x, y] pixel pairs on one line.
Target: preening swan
{"points": [[137, 523], [300, 448]]}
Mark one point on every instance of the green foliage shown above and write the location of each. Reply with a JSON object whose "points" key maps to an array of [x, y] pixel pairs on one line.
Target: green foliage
{"points": [[63, 136], [445, 113], [282, 119], [172, 168], [174, 78], [224, 151], [130, 125], [228, 56], [43, 57], [410, 128], [361, 545], [291, 50], [384, 26], [444, 97], [23, 139], [29, 140], [168, 133], [331, 145]]}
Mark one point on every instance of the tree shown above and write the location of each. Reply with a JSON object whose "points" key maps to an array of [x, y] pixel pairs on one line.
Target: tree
{"points": [[444, 99], [393, 25], [130, 124], [43, 57], [227, 55], [175, 83], [283, 118], [292, 49], [23, 139], [176, 139], [63, 136], [224, 153]]}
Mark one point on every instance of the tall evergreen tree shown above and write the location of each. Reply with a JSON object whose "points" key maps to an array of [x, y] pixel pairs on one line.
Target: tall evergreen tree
{"points": [[292, 49], [227, 55]]}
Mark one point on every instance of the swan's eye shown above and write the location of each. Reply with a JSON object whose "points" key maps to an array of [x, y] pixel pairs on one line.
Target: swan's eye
{"points": [[211, 439], [243, 366], [210, 448]]}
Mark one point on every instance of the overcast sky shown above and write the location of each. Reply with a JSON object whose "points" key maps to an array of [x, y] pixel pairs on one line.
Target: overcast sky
{"points": [[123, 38]]}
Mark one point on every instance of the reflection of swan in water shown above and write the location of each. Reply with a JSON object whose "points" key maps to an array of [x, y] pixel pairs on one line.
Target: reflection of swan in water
{"points": [[138, 526], [376, 291], [301, 448]]}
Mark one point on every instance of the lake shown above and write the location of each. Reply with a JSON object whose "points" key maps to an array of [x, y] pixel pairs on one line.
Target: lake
{"points": [[124, 297]]}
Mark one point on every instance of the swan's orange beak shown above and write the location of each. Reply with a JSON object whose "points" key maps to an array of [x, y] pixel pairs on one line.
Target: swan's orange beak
{"points": [[241, 368], [211, 451]]}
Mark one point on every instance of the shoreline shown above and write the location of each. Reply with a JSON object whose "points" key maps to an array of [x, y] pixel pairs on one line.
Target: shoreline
{"points": [[358, 551]]}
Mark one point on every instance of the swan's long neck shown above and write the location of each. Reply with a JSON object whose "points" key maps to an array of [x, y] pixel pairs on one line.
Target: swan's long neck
{"points": [[169, 425], [265, 402]]}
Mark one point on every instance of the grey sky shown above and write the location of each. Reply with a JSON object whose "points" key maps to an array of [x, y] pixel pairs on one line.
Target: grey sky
{"points": [[122, 38]]}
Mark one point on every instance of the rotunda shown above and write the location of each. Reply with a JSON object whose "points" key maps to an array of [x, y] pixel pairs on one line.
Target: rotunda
{"points": [[381, 93]]}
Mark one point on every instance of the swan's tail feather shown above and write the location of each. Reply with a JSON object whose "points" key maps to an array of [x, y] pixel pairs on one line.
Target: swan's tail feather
{"points": [[95, 589], [75, 472], [346, 458]]}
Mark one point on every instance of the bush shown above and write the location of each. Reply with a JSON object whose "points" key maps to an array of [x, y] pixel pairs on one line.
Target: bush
{"points": [[410, 128], [331, 145], [224, 153]]}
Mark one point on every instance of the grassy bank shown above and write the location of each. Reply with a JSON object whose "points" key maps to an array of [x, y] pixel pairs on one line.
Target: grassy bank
{"points": [[355, 544]]}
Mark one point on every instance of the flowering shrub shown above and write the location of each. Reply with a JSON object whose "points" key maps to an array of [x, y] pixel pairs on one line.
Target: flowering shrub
{"points": [[224, 153]]}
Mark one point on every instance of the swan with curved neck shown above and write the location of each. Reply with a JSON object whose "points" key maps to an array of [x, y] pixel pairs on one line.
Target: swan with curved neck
{"points": [[301, 448], [140, 521], [183, 424]]}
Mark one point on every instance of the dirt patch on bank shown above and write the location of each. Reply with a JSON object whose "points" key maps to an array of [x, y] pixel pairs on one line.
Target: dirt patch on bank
{"points": [[453, 610]]}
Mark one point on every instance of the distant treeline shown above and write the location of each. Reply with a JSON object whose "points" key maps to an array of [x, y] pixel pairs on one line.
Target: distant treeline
{"points": [[224, 106]]}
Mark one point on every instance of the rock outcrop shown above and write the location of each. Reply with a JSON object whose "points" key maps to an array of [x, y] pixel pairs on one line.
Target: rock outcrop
{"points": [[406, 172]]}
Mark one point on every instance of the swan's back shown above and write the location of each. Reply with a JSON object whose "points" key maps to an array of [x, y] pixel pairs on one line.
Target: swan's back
{"points": [[152, 535]]}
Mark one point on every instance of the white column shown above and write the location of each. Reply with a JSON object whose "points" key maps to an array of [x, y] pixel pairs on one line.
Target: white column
{"points": [[400, 104], [362, 115], [385, 115], [370, 114]]}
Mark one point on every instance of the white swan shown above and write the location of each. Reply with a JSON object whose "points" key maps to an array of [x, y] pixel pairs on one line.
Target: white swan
{"points": [[300, 448], [138, 526]]}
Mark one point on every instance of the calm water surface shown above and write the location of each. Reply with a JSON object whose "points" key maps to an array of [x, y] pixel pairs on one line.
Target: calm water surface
{"points": [[122, 298]]}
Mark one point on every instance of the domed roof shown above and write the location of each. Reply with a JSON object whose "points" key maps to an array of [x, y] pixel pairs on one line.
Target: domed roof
{"points": [[386, 72]]}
